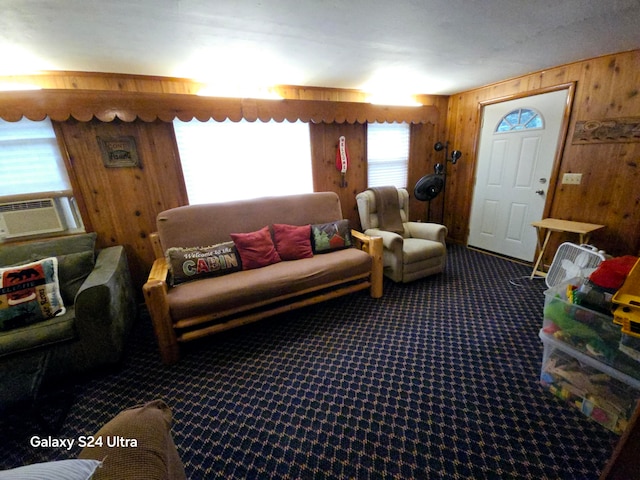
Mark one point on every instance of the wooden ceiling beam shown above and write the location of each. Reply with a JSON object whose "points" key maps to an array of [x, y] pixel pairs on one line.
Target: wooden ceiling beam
{"points": [[107, 106]]}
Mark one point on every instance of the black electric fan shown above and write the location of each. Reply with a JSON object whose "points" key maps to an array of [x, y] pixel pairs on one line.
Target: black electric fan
{"points": [[430, 186]]}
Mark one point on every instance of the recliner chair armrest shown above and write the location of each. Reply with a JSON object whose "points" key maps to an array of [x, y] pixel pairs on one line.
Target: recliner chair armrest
{"points": [[390, 240], [105, 306], [428, 231]]}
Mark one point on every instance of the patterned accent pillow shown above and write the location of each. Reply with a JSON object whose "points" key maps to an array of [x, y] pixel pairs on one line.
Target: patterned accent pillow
{"points": [[327, 237], [187, 264], [29, 293], [75, 254]]}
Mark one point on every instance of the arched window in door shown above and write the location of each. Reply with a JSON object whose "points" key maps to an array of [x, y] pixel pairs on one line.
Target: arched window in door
{"points": [[520, 119]]}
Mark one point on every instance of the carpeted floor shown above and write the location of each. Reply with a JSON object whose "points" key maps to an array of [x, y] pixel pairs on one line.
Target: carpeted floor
{"points": [[438, 379]]}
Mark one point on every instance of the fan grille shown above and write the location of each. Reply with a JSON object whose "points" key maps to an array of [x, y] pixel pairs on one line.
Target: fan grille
{"points": [[572, 261]]}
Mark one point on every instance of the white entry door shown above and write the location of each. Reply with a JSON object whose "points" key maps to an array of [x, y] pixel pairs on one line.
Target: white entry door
{"points": [[518, 143]]}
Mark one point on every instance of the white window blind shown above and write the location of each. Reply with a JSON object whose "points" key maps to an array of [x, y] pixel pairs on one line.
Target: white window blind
{"points": [[30, 160], [388, 154], [224, 161], [33, 178]]}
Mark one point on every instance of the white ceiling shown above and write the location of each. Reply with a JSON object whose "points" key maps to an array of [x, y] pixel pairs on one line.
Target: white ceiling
{"points": [[415, 46]]}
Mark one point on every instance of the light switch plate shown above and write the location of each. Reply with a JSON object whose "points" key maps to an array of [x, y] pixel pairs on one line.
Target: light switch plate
{"points": [[572, 179]]}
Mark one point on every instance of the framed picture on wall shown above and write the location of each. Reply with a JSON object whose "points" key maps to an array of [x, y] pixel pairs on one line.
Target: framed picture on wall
{"points": [[119, 151]]}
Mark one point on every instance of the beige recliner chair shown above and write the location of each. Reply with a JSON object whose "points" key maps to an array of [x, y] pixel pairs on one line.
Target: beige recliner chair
{"points": [[412, 250]]}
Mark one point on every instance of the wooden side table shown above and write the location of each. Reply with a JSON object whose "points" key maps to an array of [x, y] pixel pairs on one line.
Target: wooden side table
{"points": [[548, 225]]}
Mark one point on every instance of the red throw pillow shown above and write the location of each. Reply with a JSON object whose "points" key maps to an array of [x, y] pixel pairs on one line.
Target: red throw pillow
{"points": [[292, 242], [256, 248]]}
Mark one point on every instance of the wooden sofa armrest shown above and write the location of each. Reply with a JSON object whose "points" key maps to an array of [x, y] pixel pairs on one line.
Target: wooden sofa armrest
{"points": [[156, 245], [155, 296], [373, 246], [159, 271]]}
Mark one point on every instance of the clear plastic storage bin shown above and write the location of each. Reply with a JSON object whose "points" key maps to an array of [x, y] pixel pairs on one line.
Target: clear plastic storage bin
{"points": [[588, 331], [602, 393]]}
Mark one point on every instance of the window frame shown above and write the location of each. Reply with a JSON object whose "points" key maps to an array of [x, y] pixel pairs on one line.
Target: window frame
{"points": [[520, 126], [392, 163], [28, 133], [190, 163]]}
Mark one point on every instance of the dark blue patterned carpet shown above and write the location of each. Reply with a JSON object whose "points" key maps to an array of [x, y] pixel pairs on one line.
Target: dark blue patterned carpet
{"points": [[438, 379]]}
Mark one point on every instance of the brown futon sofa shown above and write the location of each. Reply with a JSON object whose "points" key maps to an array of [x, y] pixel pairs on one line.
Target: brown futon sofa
{"points": [[215, 265]]}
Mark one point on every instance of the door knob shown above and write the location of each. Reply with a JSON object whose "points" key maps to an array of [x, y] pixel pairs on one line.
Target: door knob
{"points": [[540, 192]]}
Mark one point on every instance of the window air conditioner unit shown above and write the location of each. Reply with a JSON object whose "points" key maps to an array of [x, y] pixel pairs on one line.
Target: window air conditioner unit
{"points": [[30, 217]]}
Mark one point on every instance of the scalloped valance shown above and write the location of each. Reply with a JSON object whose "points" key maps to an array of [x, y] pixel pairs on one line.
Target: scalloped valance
{"points": [[85, 105]]}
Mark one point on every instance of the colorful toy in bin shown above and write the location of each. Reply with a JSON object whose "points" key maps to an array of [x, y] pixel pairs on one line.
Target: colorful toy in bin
{"points": [[630, 346], [569, 327], [627, 302], [595, 393], [571, 289]]}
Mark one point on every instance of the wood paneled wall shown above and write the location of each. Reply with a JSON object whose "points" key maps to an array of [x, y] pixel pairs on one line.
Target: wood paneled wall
{"points": [[606, 87], [326, 177], [121, 204], [105, 81], [422, 159]]}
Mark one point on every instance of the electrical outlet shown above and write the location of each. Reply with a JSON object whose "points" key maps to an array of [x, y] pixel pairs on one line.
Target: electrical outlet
{"points": [[571, 179]]}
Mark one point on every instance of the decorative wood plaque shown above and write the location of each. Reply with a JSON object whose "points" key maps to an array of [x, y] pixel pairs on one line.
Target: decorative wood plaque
{"points": [[609, 130], [119, 152]]}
